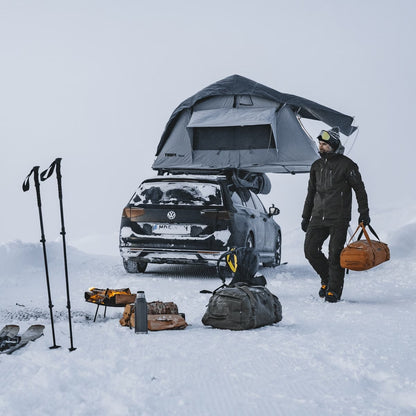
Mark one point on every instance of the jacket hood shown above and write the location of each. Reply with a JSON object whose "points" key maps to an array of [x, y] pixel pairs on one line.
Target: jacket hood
{"points": [[340, 149]]}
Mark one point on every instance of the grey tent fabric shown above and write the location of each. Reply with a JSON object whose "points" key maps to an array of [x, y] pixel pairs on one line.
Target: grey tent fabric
{"points": [[237, 123], [294, 144], [223, 117]]}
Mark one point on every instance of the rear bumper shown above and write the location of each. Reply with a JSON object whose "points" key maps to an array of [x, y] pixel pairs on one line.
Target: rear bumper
{"points": [[169, 256], [173, 249]]}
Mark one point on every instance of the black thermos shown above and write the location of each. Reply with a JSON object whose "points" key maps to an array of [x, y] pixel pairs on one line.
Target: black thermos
{"points": [[140, 313]]}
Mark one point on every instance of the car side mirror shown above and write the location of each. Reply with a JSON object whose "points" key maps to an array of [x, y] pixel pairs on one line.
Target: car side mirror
{"points": [[273, 210]]}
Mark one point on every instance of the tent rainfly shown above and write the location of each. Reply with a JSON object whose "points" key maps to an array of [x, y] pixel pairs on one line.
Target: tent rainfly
{"points": [[237, 123]]}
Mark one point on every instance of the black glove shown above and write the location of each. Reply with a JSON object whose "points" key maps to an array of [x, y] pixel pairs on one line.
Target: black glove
{"points": [[365, 219], [304, 224]]}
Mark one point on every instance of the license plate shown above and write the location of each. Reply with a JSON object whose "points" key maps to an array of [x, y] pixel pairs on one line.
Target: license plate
{"points": [[176, 229]]}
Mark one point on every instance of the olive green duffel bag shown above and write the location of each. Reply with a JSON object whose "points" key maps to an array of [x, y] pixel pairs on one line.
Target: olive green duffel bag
{"points": [[241, 307]]}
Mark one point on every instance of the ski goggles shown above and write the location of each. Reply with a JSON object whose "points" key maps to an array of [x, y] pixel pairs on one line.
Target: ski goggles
{"points": [[324, 135]]}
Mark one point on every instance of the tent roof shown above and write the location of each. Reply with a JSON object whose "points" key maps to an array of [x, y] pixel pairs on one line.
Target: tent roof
{"points": [[238, 85]]}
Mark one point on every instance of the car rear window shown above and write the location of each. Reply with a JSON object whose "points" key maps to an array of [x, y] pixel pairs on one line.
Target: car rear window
{"points": [[177, 193]]}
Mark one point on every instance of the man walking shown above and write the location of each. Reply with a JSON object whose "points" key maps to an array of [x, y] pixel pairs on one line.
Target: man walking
{"points": [[327, 211]]}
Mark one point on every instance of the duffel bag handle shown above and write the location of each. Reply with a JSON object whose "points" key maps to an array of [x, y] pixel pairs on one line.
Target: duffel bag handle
{"points": [[363, 230], [355, 232]]}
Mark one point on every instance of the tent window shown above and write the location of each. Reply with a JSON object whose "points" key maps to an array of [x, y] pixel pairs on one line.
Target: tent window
{"points": [[245, 100], [233, 138]]}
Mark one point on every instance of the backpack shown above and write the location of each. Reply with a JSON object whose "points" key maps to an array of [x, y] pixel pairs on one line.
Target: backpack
{"points": [[240, 306], [242, 263]]}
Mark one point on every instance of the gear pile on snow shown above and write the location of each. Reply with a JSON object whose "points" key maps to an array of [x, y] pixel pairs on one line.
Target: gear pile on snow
{"points": [[160, 316], [245, 303]]}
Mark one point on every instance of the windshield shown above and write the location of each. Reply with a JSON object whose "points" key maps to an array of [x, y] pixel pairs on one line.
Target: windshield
{"points": [[177, 193]]}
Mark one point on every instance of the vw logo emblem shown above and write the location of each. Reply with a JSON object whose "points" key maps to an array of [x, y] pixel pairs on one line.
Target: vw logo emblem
{"points": [[171, 215]]}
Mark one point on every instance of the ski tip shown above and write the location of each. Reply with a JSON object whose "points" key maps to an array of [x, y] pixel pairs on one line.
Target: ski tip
{"points": [[37, 326], [9, 331], [9, 326]]}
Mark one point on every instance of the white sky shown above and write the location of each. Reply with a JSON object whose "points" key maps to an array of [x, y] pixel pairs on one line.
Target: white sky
{"points": [[94, 82]]}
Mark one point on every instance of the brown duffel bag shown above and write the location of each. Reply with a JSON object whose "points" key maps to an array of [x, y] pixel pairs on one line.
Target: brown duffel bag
{"points": [[364, 254]]}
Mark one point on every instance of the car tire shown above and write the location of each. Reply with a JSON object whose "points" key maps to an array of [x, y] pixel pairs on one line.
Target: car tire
{"points": [[131, 266], [277, 252]]}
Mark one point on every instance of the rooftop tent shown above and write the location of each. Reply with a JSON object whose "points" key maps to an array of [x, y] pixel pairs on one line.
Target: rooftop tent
{"points": [[237, 123]]}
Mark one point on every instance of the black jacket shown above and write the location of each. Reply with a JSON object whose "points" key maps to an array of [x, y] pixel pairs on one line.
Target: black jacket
{"points": [[329, 190]]}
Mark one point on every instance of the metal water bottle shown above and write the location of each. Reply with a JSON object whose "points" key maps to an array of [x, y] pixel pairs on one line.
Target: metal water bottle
{"points": [[140, 313]]}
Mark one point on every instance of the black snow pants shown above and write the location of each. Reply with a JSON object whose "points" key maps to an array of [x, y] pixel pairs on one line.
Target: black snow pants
{"points": [[329, 269]]}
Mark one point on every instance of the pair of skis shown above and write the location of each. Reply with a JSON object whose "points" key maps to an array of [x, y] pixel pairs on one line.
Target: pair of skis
{"points": [[10, 341], [55, 166]]}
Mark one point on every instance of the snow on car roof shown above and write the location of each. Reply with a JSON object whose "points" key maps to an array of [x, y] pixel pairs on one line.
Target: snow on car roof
{"points": [[187, 177], [178, 190]]}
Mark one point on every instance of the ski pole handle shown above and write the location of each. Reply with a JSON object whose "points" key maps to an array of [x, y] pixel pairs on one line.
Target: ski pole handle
{"points": [[55, 165], [26, 182]]}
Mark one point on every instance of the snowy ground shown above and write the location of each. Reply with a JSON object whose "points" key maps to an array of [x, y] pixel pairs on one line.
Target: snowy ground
{"points": [[356, 357]]}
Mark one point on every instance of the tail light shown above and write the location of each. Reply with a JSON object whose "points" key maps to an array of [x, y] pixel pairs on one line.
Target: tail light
{"points": [[219, 215], [223, 215], [133, 213]]}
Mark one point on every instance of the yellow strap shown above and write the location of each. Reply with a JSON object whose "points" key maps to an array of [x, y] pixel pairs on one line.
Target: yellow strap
{"points": [[232, 262]]}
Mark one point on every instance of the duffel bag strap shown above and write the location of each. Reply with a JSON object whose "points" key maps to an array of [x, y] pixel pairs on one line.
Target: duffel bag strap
{"points": [[363, 230], [366, 234], [355, 232], [247, 291]]}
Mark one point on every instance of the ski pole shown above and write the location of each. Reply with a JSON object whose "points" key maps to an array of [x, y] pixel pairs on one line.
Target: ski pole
{"points": [[26, 186], [56, 165]]}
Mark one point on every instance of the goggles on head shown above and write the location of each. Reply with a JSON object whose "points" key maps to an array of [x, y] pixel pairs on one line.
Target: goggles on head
{"points": [[324, 135]]}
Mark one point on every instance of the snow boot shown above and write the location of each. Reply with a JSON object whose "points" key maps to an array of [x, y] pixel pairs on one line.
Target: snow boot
{"points": [[331, 297], [322, 291]]}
